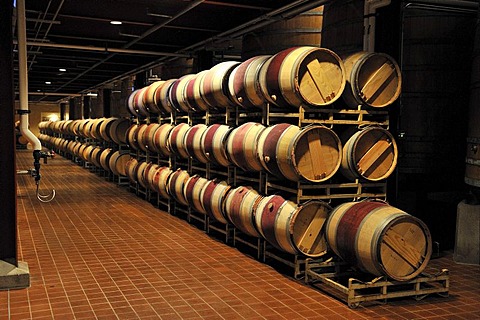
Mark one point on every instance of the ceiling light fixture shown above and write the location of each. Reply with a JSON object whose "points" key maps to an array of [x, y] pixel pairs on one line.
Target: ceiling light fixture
{"points": [[115, 22], [48, 82], [92, 94], [62, 69]]}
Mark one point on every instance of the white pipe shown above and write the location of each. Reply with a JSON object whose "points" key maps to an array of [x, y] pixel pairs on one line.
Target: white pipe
{"points": [[23, 77], [370, 8]]}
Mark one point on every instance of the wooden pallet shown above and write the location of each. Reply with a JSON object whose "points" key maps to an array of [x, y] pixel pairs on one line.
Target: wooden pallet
{"points": [[344, 283], [293, 262]]}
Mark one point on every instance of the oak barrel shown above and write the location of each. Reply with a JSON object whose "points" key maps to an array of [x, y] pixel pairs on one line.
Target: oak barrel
{"points": [[313, 153], [373, 80], [193, 140], [242, 144], [160, 139], [160, 181], [149, 175], [130, 167], [131, 136], [370, 153], [240, 205], [117, 163], [193, 190], [192, 93], [212, 198], [149, 97], [118, 130], [162, 99], [140, 138], [105, 158], [177, 93], [176, 140], [379, 239], [214, 84], [214, 143], [104, 129], [303, 75], [297, 229], [176, 185]]}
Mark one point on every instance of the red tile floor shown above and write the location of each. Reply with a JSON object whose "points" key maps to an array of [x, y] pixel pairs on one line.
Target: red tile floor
{"points": [[97, 251]]}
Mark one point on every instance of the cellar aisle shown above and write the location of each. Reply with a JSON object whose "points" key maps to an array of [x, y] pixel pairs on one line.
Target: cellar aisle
{"points": [[98, 251]]}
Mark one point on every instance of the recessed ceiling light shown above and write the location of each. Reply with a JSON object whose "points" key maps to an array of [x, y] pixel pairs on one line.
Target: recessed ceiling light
{"points": [[62, 69], [115, 22], [48, 82]]}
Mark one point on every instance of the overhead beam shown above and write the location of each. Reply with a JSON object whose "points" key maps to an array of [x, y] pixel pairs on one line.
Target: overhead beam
{"points": [[106, 49]]}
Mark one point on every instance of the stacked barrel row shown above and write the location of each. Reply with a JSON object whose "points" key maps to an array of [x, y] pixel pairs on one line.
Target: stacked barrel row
{"points": [[310, 76], [313, 153], [107, 159], [378, 238]]}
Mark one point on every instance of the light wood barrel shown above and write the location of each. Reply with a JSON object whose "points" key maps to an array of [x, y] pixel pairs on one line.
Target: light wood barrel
{"points": [[149, 175], [149, 136], [243, 83], [86, 129], [130, 167], [215, 84], [177, 93], [192, 93], [240, 205], [297, 229], [176, 140], [160, 139], [149, 97], [95, 156], [161, 98], [118, 131], [140, 173], [105, 158], [214, 143], [104, 129], [267, 145], [139, 102], [192, 192], [212, 198], [131, 136], [131, 105], [86, 152], [160, 182], [95, 128], [242, 145], [176, 185], [313, 153], [373, 80], [193, 140], [140, 138], [370, 154], [117, 163], [303, 75], [379, 239]]}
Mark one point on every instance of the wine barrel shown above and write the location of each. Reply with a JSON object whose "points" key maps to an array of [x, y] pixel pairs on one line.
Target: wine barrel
{"points": [[149, 97], [160, 182], [243, 83], [373, 80], [140, 137], [176, 140], [104, 129], [95, 156], [149, 135], [162, 99], [130, 167], [313, 153], [177, 93], [131, 105], [86, 153], [379, 239], [214, 85], [212, 198], [118, 131], [149, 175], [267, 146], [117, 163], [193, 139], [192, 192], [214, 143], [105, 158], [240, 205], [95, 128], [160, 139], [176, 185], [139, 103], [242, 146], [297, 229], [303, 75], [192, 93], [140, 173], [131, 136], [370, 153]]}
